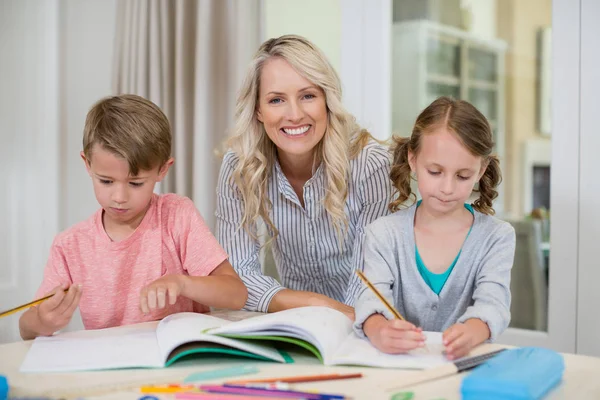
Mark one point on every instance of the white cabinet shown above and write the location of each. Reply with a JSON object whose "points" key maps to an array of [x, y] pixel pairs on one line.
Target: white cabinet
{"points": [[431, 60]]}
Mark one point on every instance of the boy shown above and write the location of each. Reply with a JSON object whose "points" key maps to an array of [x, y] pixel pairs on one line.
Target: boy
{"points": [[142, 256]]}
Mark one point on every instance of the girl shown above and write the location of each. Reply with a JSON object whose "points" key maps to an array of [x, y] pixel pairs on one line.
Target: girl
{"points": [[444, 264], [300, 164]]}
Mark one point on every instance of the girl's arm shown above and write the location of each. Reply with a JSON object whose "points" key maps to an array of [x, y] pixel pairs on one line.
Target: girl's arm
{"points": [[375, 195], [491, 297], [378, 253]]}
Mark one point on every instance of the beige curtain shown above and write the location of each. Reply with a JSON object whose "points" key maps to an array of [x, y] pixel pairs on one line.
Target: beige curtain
{"points": [[189, 57]]}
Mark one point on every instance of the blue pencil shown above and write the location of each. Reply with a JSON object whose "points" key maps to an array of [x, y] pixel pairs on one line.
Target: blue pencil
{"points": [[262, 391]]}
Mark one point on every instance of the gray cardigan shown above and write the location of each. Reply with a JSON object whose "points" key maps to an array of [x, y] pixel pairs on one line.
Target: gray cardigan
{"points": [[477, 287]]}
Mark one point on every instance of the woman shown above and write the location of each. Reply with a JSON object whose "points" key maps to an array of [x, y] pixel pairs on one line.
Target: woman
{"points": [[299, 164]]}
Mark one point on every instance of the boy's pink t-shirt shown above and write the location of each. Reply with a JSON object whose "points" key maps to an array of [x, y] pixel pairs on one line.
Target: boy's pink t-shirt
{"points": [[171, 239]]}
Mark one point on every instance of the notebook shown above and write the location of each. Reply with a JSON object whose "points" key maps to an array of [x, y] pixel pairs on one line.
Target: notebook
{"points": [[321, 331]]}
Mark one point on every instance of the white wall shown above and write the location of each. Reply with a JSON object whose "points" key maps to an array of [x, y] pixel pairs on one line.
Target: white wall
{"points": [[55, 62], [87, 32], [28, 154], [317, 20]]}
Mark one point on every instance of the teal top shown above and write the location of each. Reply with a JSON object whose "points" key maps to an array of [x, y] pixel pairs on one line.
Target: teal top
{"points": [[436, 281]]}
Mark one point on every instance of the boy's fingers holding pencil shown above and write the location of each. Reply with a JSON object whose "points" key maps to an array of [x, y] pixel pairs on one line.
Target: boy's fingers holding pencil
{"points": [[56, 299]]}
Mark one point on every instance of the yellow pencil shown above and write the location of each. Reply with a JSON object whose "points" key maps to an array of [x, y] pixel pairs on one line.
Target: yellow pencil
{"points": [[24, 306], [379, 295]]}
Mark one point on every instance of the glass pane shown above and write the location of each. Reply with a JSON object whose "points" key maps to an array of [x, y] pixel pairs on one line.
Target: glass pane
{"points": [[483, 65], [435, 90], [485, 101], [443, 58], [478, 52]]}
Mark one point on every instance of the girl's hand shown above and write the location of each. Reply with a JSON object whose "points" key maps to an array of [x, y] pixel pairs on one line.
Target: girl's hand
{"points": [[393, 336], [154, 295], [56, 312], [460, 339]]}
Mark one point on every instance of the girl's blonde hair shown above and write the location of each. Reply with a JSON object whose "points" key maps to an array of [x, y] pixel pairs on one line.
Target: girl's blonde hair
{"points": [[342, 141], [471, 128]]}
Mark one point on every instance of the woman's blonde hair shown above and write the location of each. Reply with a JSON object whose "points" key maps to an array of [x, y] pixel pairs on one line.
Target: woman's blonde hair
{"points": [[342, 141], [471, 128]]}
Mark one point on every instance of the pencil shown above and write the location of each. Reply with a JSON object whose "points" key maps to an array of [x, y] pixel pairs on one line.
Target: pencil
{"points": [[27, 305], [379, 295], [298, 379]]}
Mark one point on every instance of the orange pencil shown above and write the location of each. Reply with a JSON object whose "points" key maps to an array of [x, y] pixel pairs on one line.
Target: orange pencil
{"points": [[299, 379], [27, 305]]}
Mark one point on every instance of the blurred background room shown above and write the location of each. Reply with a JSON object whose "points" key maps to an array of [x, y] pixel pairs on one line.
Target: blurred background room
{"points": [[519, 62]]}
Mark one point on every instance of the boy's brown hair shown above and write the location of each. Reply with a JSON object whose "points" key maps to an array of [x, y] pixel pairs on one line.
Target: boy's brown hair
{"points": [[132, 128], [471, 128]]}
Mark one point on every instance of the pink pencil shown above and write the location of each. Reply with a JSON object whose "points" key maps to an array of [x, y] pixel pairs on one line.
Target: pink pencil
{"points": [[218, 396]]}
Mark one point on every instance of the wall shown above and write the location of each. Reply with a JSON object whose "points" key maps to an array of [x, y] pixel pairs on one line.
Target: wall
{"points": [[28, 154], [518, 24], [87, 33], [56, 61], [317, 20]]}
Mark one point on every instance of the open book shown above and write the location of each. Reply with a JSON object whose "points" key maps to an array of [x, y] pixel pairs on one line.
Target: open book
{"points": [[322, 331]]}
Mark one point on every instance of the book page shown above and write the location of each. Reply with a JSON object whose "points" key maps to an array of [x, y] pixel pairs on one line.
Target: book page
{"points": [[358, 351], [119, 347], [324, 327], [183, 328]]}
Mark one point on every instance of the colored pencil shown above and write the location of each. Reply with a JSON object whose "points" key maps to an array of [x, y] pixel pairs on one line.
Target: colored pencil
{"points": [[379, 295], [299, 379], [27, 305]]}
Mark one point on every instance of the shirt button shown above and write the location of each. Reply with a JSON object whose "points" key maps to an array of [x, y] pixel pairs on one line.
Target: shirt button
{"points": [[434, 307]]}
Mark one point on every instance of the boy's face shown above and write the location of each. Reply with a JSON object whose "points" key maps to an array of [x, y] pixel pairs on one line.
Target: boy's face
{"points": [[123, 197]]}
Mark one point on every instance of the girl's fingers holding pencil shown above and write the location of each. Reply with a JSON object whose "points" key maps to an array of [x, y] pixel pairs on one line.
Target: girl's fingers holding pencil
{"points": [[401, 324]]}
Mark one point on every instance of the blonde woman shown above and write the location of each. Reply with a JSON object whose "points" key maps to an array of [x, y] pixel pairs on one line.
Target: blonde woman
{"points": [[299, 164]]}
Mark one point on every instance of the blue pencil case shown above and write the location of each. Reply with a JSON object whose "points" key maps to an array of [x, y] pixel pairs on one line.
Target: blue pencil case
{"points": [[526, 373]]}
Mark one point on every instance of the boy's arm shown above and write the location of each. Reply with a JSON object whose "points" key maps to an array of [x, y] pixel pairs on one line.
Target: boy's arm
{"points": [[223, 288], [212, 280], [491, 297], [54, 313], [376, 194], [51, 315]]}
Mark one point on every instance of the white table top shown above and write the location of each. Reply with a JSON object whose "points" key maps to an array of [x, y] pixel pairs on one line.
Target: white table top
{"points": [[581, 379]]}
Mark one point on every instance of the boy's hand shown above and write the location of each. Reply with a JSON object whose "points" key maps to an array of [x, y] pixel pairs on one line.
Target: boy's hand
{"points": [[56, 312], [154, 295], [460, 339], [393, 336]]}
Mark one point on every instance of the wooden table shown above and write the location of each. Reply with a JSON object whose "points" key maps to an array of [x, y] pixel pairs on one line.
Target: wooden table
{"points": [[581, 379]]}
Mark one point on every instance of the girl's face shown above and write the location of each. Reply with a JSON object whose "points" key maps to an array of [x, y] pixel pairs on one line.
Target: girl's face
{"points": [[292, 109], [446, 171]]}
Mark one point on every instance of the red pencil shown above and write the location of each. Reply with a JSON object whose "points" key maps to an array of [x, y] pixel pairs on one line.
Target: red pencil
{"points": [[299, 379]]}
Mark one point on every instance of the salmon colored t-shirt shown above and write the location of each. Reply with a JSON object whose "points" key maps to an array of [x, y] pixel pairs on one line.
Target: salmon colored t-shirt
{"points": [[171, 239]]}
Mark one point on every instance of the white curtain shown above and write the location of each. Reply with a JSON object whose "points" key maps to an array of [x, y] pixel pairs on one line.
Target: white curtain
{"points": [[189, 57]]}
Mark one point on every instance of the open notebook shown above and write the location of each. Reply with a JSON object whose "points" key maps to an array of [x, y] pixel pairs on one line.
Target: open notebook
{"points": [[322, 331]]}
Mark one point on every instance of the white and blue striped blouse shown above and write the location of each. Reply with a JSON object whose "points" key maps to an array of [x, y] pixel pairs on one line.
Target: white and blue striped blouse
{"points": [[306, 251]]}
